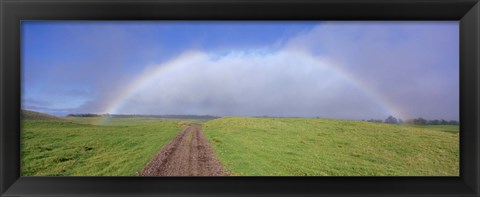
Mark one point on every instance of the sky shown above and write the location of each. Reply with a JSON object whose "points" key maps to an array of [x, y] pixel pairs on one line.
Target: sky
{"points": [[328, 69]]}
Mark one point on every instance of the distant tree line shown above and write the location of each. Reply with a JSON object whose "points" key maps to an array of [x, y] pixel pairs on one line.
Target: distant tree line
{"points": [[416, 121]]}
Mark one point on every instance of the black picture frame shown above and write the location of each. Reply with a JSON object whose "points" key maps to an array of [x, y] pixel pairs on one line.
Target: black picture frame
{"points": [[14, 11]]}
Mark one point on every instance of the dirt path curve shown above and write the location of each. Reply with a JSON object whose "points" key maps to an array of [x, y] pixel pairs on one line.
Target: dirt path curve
{"points": [[189, 154]]}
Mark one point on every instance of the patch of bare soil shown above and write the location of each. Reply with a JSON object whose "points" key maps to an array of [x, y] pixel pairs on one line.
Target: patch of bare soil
{"points": [[189, 154]]}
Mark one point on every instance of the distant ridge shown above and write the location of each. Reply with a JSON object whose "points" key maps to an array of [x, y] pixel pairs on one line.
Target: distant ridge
{"points": [[206, 117], [32, 115]]}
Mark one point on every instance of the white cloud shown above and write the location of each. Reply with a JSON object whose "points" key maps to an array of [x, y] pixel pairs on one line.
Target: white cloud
{"points": [[284, 83]]}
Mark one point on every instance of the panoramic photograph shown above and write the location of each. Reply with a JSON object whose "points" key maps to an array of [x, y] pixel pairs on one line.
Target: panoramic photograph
{"points": [[239, 98]]}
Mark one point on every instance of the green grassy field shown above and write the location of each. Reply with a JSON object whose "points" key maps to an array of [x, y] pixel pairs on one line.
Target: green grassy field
{"points": [[121, 146], [75, 147], [325, 147]]}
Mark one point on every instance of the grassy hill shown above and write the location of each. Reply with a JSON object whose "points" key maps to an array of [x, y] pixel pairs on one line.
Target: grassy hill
{"points": [[78, 148], [327, 147], [32, 115]]}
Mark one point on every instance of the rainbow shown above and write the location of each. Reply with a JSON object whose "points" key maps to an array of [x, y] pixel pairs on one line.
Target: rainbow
{"points": [[389, 106], [190, 57], [147, 78]]}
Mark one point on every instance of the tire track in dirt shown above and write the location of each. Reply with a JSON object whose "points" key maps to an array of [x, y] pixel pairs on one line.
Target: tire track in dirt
{"points": [[188, 154]]}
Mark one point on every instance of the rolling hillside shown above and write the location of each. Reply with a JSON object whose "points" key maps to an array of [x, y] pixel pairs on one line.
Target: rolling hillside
{"points": [[32, 115], [328, 147]]}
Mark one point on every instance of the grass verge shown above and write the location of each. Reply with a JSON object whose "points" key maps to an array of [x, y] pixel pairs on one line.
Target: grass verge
{"points": [[122, 147]]}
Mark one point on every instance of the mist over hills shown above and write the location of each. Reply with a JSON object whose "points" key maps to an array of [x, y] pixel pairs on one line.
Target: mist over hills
{"points": [[32, 115]]}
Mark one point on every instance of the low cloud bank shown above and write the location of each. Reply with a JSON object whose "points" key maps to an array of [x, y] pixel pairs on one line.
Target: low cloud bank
{"points": [[254, 83]]}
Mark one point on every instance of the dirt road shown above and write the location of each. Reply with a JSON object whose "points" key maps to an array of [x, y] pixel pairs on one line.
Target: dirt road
{"points": [[189, 154]]}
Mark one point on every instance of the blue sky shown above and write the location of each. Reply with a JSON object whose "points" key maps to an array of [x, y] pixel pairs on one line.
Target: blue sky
{"points": [[347, 70]]}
